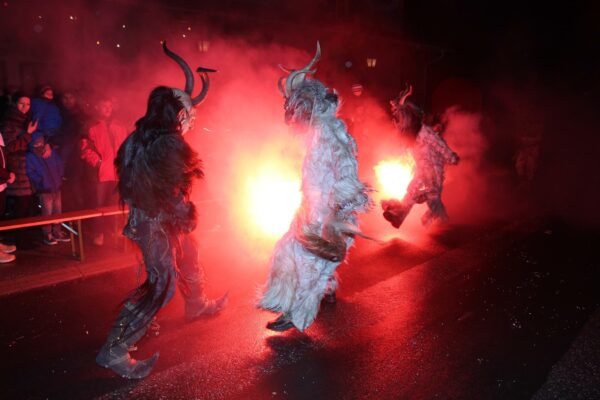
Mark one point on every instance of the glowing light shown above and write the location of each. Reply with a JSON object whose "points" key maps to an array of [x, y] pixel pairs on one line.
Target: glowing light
{"points": [[183, 36], [124, 26], [189, 28], [203, 46], [98, 42], [272, 199], [393, 176], [118, 45], [371, 62]]}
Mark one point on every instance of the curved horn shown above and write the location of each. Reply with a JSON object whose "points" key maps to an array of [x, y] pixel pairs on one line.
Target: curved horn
{"points": [[280, 80], [301, 73], [280, 85], [189, 76], [404, 94], [285, 69], [205, 84]]}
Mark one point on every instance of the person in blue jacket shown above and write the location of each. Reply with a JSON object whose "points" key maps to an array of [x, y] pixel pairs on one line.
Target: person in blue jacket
{"points": [[45, 170], [47, 113]]}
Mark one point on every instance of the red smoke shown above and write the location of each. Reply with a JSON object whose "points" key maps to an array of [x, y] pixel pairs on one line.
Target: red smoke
{"points": [[240, 133]]}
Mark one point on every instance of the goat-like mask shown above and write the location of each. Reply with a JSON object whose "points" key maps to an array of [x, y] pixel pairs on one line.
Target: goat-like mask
{"points": [[297, 76], [407, 117], [401, 99], [305, 98], [188, 113]]}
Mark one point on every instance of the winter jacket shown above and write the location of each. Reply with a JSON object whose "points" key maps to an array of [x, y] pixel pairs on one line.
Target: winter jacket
{"points": [[4, 172], [47, 114], [45, 174], [17, 139], [100, 148], [14, 125]]}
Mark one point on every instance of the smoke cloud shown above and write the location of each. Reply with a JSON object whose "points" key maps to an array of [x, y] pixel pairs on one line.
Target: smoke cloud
{"points": [[113, 48]]}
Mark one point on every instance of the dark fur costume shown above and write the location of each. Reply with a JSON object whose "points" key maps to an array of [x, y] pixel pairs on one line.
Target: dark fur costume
{"points": [[155, 165], [156, 168]]}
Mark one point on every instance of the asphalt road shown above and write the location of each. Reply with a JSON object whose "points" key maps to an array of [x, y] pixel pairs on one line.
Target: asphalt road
{"points": [[477, 312]]}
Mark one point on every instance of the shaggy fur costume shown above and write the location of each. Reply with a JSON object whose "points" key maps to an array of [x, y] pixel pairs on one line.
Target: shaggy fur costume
{"points": [[155, 167], [431, 154], [305, 259]]}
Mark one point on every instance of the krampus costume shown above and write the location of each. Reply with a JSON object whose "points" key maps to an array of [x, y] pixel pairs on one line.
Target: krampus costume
{"points": [[155, 168], [431, 154], [306, 257]]}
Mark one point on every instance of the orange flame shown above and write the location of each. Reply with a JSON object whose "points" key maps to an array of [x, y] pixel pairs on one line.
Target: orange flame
{"points": [[394, 175], [272, 197]]}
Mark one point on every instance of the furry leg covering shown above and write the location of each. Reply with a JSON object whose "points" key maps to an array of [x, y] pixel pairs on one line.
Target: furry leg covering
{"points": [[298, 280]]}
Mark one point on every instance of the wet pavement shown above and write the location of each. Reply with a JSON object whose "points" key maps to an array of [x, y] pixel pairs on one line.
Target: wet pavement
{"points": [[503, 311]]}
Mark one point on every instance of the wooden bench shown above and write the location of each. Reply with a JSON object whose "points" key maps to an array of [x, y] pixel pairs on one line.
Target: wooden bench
{"points": [[71, 221]]}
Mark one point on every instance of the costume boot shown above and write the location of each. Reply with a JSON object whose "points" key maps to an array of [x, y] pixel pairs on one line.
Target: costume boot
{"points": [[195, 309], [281, 324], [330, 298], [395, 211], [114, 354], [391, 218]]}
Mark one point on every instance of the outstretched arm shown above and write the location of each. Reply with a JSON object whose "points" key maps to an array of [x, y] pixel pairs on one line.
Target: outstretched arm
{"points": [[442, 148]]}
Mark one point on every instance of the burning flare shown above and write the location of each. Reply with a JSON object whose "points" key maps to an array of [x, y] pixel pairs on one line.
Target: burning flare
{"points": [[394, 175], [272, 198]]}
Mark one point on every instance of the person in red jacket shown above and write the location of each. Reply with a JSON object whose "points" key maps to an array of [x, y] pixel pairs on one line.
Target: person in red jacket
{"points": [[99, 150]]}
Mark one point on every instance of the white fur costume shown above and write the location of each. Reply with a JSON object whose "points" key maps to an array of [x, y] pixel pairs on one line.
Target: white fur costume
{"points": [[431, 154], [332, 195]]}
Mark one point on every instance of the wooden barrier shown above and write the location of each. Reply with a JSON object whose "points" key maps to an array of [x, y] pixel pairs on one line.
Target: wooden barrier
{"points": [[73, 219], [70, 220]]}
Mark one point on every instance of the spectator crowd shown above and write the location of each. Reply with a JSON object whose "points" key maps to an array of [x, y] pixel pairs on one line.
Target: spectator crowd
{"points": [[57, 154]]}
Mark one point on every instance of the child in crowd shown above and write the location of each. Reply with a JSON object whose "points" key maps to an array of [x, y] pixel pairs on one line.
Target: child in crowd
{"points": [[46, 170]]}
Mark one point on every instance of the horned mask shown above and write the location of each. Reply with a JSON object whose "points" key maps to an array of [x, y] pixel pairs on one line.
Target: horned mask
{"points": [[400, 101], [305, 98], [188, 113], [297, 76], [407, 116]]}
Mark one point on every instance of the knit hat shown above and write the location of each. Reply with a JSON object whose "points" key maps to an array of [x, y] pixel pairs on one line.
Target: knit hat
{"points": [[44, 88], [36, 135]]}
